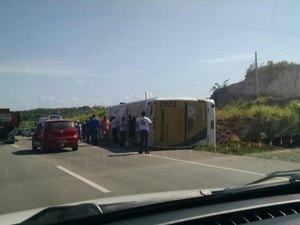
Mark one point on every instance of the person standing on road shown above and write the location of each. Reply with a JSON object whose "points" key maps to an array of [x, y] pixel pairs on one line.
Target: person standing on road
{"points": [[95, 130], [123, 130], [144, 127], [84, 131], [114, 129], [105, 127], [131, 130], [89, 130]]}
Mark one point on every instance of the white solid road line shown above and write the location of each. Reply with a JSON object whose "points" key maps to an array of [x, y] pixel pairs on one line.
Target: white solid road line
{"points": [[208, 165], [91, 183], [16, 146]]}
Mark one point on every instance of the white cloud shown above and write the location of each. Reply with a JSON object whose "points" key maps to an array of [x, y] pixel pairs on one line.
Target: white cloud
{"points": [[63, 101], [75, 99], [48, 98], [135, 71], [44, 68], [226, 59], [79, 82], [92, 100]]}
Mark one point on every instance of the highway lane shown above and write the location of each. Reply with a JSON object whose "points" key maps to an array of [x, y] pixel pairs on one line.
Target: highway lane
{"points": [[32, 180]]}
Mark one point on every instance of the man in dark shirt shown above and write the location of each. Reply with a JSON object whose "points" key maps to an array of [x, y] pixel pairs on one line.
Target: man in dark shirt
{"points": [[95, 129]]}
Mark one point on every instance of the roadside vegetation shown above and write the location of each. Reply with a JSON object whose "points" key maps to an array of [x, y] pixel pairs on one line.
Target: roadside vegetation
{"points": [[270, 68], [260, 121], [29, 117], [260, 128]]}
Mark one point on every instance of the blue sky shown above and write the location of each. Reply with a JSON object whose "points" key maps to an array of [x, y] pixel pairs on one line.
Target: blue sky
{"points": [[77, 53]]}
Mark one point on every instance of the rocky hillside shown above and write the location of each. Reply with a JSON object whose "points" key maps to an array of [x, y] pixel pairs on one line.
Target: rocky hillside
{"points": [[276, 81]]}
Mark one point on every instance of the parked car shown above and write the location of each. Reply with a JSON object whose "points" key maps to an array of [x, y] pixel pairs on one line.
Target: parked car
{"points": [[19, 131], [25, 132], [53, 134], [31, 132], [28, 132]]}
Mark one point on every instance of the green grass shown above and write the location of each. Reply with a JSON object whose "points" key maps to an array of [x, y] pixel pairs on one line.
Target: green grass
{"points": [[263, 116], [292, 155], [238, 148], [27, 124], [255, 150]]}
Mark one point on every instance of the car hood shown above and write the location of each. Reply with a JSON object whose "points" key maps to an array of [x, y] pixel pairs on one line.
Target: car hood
{"points": [[113, 203]]}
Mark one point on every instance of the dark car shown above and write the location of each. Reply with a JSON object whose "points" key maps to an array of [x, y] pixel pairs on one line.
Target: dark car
{"points": [[25, 131], [19, 131], [53, 134]]}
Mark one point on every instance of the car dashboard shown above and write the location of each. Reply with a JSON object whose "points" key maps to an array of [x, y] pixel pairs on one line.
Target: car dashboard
{"points": [[259, 204]]}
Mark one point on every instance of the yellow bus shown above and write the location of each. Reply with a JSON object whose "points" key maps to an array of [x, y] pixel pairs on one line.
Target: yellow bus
{"points": [[177, 122]]}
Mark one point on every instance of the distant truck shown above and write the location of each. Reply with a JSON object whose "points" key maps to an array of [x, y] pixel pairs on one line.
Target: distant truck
{"points": [[9, 121]]}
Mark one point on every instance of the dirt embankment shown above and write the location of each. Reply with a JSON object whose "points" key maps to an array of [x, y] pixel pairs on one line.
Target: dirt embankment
{"points": [[277, 81]]}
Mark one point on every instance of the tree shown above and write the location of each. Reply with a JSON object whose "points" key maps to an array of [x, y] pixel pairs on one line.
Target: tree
{"points": [[251, 68], [219, 86]]}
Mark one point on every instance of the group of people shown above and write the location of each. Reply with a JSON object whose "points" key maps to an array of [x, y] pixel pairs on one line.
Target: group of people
{"points": [[124, 132], [90, 131]]}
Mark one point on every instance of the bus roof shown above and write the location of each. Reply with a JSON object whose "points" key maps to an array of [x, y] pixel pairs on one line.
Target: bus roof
{"points": [[168, 99]]}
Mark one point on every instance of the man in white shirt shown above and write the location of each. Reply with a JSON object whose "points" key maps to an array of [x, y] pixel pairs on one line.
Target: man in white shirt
{"points": [[144, 127], [123, 130]]}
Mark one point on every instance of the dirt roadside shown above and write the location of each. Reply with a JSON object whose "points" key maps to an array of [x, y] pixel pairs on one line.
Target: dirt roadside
{"points": [[292, 155]]}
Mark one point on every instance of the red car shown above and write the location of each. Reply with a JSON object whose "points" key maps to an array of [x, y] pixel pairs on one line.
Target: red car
{"points": [[53, 134]]}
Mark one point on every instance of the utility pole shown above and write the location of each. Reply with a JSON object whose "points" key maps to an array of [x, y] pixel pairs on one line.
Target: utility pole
{"points": [[145, 95], [256, 76]]}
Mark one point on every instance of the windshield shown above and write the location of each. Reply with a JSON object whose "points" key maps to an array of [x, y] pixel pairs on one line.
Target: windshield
{"points": [[163, 95]]}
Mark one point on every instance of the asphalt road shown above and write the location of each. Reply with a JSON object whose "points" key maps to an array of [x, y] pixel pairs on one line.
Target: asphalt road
{"points": [[31, 180]]}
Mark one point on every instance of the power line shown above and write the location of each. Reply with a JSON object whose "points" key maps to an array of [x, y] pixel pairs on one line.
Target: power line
{"points": [[195, 82], [218, 74], [280, 51]]}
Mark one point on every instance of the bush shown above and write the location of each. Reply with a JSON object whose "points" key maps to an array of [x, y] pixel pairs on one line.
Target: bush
{"points": [[250, 119]]}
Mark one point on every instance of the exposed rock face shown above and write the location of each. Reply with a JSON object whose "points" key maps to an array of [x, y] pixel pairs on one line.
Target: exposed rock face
{"points": [[276, 82]]}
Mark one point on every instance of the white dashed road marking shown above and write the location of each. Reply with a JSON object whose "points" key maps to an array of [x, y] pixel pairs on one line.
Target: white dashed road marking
{"points": [[208, 165], [91, 183]]}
